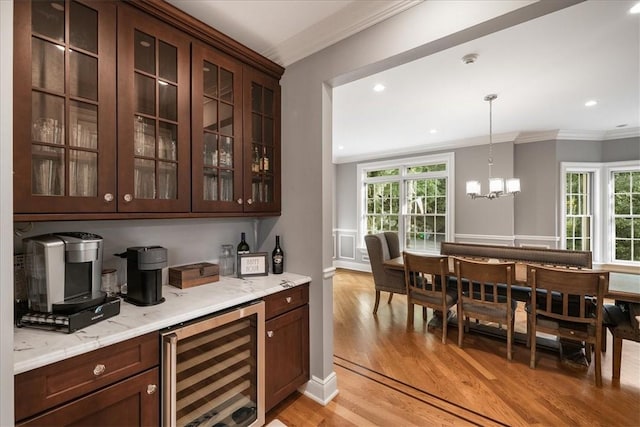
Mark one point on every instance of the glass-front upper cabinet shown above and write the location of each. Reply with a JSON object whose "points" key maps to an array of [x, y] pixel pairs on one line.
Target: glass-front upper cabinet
{"points": [[216, 117], [262, 142], [153, 115], [64, 106]]}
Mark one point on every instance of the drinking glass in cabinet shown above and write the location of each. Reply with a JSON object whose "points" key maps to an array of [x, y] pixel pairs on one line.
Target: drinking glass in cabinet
{"points": [[83, 169], [47, 130], [226, 151], [167, 141], [144, 137], [144, 179], [83, 119], [47, 170], [210, 151], [167, 177], [210, 185], [226, 181]]}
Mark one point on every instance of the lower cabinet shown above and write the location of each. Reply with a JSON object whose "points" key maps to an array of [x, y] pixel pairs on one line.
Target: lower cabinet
{"points": [[287, 343], [115, 385]]}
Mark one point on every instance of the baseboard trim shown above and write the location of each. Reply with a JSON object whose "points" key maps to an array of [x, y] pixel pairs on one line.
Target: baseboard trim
{"points": [[319, 390], [357, 266]]}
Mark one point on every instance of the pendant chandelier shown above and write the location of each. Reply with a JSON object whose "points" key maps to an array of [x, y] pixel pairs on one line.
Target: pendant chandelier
{"points": [[496, 185]]}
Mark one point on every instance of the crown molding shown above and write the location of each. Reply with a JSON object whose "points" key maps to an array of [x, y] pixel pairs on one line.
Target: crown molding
{"points": [[620, 133], [353, 18]]}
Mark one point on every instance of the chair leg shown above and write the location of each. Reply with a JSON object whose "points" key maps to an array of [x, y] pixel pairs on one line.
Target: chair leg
{"points": [[444, 326], [532, 345], [375, 305], [528, 331], [390, 297], [604, 339], [424, 314], [617, 356], [409, 315], [510, 328], [460, 325], [598, 366]]}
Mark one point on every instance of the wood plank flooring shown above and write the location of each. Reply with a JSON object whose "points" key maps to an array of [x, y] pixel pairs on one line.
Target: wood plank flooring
{"points": [[391, 376]]}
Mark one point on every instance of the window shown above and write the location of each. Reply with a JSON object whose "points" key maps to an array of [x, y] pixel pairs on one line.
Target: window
{"points": [[601, 210], [410, 196]]}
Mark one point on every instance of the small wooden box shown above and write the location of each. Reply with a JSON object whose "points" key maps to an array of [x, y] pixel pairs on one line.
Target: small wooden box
{"points": [[187, 276]]}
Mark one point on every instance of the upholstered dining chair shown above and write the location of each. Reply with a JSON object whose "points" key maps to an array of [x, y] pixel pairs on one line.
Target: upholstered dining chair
{"points": [[426, 278], [567, 303], [625, 327], [382, 247], [484, 293]]}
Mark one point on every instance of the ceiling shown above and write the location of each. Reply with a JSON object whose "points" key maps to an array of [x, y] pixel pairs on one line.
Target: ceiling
{"points": [[543, 72]]}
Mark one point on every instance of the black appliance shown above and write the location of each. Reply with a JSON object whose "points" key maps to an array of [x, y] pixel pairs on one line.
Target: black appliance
{"points": [[144, 274]]}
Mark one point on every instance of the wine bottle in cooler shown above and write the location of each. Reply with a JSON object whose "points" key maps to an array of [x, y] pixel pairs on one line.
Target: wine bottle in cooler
{"points": [[277, 258]]}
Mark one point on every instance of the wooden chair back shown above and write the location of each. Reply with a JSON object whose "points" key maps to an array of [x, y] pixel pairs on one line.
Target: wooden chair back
{"points": [[426, 275], [483, 282]]}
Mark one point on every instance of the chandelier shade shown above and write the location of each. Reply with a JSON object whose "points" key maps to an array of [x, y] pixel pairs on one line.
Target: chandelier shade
{"points": [[496, 185]]}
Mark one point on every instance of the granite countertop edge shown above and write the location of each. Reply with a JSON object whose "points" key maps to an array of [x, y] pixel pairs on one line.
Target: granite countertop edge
{"points": [[34, 348]]}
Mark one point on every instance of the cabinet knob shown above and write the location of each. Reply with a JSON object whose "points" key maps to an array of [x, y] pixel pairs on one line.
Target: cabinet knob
{"points": [[127, 197], [108, 197], [249, 201], [99, 369], [270, 334], [151, 388], [288, 300], [239, 201]]}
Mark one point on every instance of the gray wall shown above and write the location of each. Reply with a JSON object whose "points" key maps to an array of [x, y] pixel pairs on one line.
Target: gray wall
{"points": [[621, 149]]}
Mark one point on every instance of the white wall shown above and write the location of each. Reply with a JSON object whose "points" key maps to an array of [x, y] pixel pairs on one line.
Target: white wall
{"points": [[6, 213]]}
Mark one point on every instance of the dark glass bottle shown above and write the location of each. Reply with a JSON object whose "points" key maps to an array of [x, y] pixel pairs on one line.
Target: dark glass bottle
{"points": [[277, 258], [243, 247]]}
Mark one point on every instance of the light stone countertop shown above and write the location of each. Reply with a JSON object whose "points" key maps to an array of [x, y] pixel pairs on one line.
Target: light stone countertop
{"points": [[33, 348]]}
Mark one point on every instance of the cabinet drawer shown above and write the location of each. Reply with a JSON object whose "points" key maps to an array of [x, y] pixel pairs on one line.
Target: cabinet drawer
{"points": [[286, 300], [54, 384]]}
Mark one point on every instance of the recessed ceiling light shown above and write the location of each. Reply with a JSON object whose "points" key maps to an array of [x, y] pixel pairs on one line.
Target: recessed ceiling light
{"points": [[340, 147], [432, 131], [379, 87], [591, 103], [635, 8], [623, 125]]}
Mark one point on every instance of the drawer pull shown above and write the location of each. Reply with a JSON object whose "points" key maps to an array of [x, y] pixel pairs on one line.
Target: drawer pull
{"points": [[270, 334], [151, 388], [288, 300], [99, 369]]}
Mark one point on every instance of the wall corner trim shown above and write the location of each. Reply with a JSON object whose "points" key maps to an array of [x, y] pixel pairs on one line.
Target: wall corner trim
{"points": [[321, 390], [328, 272]]}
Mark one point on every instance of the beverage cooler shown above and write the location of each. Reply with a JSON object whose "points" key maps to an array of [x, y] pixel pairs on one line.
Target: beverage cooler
{"points": [[213, 370]]}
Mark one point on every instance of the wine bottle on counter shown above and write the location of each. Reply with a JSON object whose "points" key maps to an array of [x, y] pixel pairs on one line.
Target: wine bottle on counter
{"points": [[277, 258], [243, 246]]}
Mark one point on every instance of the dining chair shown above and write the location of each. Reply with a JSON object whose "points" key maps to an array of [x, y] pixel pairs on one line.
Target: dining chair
{"points": [[567, 303], [382, 247], [484, 293], [426, 279]]}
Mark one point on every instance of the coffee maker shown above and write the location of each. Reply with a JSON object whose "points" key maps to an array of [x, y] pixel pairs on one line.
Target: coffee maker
{"points": [[144, 274]]}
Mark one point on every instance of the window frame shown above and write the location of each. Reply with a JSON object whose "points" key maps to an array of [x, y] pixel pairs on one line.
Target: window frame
{"points": [[403, 164], [609, 169]]}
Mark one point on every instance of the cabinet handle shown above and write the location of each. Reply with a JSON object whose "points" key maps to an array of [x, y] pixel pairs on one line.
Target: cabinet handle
{"points": [[249, 201], [151, 388], [127, 197], [288, 300], [270, 334], [239, 201], [99, 369], [108, 197]]}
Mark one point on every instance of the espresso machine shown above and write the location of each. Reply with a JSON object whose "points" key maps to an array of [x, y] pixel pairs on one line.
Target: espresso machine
{"points": [[144, 274]]}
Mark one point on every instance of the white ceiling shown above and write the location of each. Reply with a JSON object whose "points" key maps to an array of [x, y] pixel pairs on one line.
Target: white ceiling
{"points": [[543, 72]]}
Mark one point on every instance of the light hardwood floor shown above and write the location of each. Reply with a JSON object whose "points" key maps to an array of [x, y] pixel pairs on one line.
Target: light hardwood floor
{"points": [[391, 376]]}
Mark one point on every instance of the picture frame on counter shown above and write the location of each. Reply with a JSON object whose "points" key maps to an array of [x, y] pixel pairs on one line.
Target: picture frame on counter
{"points": [[253, 264]]}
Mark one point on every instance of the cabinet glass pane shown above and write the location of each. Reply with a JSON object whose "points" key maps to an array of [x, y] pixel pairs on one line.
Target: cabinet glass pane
{"points": [[144, 179], [167, 180], [210, 151], [83, 124], [83, 27], [167, 147], [47, 18], [168, 97], [256, 98], [268, 131], [47, 170], [83, 75], [268, 102], [47, 65], [262, 189], [210, 115], [226, 85], [226, 119], [256, 128], [210, 184], [47, 120], [167, 62], [83, 172], [144, 137], [145, 92], [145, 52], [210, 79], [226, 152], [226, 185]]}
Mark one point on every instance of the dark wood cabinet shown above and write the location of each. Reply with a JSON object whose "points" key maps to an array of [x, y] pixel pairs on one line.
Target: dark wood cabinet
{"points": [[114, 385], [64, 106], [287, 343]]}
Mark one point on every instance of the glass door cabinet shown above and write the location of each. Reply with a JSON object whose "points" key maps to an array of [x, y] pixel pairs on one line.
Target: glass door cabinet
{"points": [[64, 109], [153, 115], [217, 132]]}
